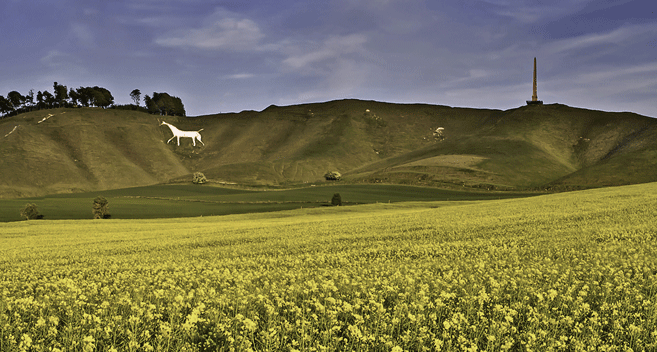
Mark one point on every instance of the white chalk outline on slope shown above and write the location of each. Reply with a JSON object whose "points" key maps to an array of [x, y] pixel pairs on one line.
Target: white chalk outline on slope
{"points": [[12, 131]]}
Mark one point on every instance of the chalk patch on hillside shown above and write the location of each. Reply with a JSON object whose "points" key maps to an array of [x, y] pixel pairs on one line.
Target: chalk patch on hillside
{"points": [[45, 118], [49, 116], [438, 134], [12, 131]]}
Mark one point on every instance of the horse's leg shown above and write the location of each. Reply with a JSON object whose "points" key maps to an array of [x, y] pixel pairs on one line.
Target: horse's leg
{"points": [[178, 140], [194, 141], [199, 139], [170, 139]]}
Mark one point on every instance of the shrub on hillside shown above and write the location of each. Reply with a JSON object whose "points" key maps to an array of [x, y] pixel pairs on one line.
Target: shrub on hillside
{"points": [[100, 208], [373, 120], [336, 200], [199, 178], [130, 107], [30, 212], [333, 176]]}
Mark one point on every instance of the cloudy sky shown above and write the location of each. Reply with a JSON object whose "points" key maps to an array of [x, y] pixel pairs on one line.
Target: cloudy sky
{"points": [[233, 55]]}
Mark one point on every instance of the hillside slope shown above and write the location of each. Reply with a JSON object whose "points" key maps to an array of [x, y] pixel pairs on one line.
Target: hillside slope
{"points": [[528, 147], [549, 146], [88, 149]]}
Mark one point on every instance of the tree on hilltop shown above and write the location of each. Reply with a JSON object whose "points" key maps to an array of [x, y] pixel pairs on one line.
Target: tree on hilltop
{"points": [[94, 96], [15, 103], [73, 94], [29, 100], [61, 94], [102, 97], [150, 104], [48, 99], [5, 106], [84, 96], [164, 104], [16, 99], [135, 95]]}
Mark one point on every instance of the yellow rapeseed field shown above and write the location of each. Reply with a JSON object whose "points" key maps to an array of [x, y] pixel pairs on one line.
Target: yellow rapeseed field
{"points": [[564, 272]]}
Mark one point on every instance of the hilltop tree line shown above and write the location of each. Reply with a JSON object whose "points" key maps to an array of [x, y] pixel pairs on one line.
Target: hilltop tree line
{"points": [[15, 103]]}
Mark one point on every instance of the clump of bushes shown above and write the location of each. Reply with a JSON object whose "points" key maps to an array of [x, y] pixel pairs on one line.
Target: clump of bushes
{"points": [[199, 178], [439, 134], [373, 120], [30, 212], [100, 208], [336, 200], [333, 176]]}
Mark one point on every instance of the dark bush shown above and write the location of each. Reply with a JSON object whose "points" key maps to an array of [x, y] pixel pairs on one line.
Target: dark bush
{"points": [[199, 178], [333, 176], [336, 200], [30, 212], [100, 208], [130, 107]]}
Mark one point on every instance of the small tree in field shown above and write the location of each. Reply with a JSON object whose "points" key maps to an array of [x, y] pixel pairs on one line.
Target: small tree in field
{"points": [[333, 176], [199, 178], [30, 212], [100, 209], [337, 199]]}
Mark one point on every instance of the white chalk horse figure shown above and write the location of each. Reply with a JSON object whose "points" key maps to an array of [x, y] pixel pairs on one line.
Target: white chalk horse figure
{"points": [[194, 135]]}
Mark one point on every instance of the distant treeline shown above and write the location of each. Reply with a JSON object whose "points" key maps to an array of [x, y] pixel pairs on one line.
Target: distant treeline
{"points": [[15, 103]]}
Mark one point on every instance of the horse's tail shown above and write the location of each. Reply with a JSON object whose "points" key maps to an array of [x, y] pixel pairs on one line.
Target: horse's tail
{"points": [[200, 130]]}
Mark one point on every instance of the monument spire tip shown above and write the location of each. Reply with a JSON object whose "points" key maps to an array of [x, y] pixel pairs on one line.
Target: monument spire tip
{"points": [[534, 100]]}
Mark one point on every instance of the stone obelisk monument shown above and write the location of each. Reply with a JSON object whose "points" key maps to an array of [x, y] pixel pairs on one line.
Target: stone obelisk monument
{"points": [[534, 100]]}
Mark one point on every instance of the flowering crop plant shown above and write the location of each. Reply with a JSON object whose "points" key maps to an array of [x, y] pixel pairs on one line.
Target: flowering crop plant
{"points": [[564, 272]]}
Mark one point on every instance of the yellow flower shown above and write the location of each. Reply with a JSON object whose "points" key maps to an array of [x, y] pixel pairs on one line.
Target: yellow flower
{"points": [[249, 324], [26, 342], [552, 293]]}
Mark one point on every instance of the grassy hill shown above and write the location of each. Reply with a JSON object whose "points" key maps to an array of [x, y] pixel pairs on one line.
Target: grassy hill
{"points": [[75, 150], [531, 147]]}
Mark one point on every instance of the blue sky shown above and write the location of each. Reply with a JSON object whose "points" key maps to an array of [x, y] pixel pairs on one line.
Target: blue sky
{"points": [[222, 56]]}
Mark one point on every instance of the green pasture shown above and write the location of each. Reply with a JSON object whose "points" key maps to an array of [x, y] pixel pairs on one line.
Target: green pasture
{"points": [[170, 201], [571, 271]]}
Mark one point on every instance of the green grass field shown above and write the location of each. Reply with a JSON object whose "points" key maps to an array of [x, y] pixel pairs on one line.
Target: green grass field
{"points": [[167, 201], [562, 272]]}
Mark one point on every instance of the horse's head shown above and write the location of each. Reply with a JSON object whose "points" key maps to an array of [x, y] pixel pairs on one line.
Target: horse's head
{"points": [[163, 123]]}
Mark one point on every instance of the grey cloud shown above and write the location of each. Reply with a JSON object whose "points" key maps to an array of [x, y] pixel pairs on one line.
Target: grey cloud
{"points": [[223, 34], [83, 35], [240, 76], [617, 36], [527, 12], [331, 49]]}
